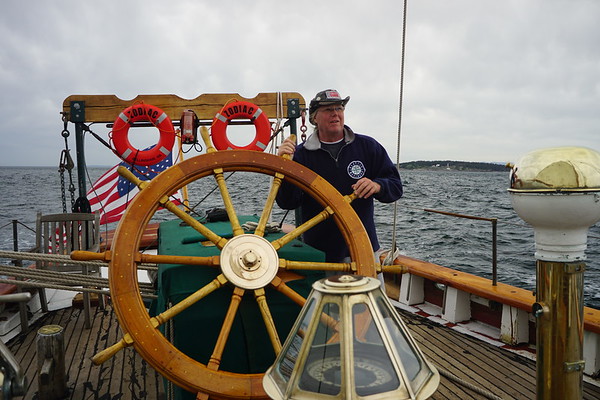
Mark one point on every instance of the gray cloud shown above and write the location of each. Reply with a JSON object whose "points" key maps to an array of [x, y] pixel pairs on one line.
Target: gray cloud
{"points": [[484, 80]]}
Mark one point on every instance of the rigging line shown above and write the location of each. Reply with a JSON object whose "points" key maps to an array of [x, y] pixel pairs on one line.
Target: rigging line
{"points": [[86, 128], [209, 193], [278, 128], [401, 90]]}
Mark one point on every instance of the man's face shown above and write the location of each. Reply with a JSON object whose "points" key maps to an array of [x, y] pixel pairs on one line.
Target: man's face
{"points": [[330, 119]]}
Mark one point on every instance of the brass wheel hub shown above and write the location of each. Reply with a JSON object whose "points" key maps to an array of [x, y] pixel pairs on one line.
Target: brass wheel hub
{"points": [[249, 261]]}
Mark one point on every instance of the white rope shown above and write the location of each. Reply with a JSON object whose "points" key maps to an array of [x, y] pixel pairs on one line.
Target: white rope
{"points": [[41, 278], [469, 385], [279, 138], [45, 285], [57, 258], [390, 257], [61, 277], [270, 227]]}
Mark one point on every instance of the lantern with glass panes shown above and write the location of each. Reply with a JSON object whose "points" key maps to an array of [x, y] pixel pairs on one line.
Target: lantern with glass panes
{"points": [[349, 342]]}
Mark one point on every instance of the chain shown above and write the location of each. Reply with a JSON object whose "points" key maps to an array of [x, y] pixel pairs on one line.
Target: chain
{"points": [[303, 127], [61, 171], [66, 163]]}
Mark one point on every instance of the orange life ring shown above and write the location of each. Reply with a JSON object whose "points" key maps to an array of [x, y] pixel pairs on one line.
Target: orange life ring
{"points": [[143, 112], [241, 109]]}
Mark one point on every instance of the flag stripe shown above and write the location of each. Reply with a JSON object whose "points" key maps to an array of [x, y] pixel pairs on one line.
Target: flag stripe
{"points": [[111, 193]]}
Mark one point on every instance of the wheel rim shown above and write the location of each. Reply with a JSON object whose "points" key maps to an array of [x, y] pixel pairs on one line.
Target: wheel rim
{"points": [[129, 307]]}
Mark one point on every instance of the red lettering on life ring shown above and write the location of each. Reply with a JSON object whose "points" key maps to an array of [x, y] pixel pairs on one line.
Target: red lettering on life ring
{"points": [[143, 112], [241, 109]]}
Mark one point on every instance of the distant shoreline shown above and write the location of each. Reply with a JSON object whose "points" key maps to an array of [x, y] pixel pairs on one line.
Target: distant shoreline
{"points": [[447, 165], [444, 165]]}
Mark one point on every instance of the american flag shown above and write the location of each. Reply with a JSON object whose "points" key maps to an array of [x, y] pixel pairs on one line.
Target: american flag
{"points": [[111, 193]]}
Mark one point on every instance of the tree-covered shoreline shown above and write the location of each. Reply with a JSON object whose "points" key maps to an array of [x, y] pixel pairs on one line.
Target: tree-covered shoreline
{"points": [[454, 166]]}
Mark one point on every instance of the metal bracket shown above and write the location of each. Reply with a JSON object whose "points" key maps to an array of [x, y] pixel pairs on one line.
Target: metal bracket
{"points": [[575, 366], [293, 108], [539, 309], [574, 268], [77, 111]]}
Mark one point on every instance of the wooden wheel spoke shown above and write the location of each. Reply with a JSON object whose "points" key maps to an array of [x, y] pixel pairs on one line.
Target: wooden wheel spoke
{"points": [[317, 266], [162, 318], [218, 173], [287, 238], [199, 294], [290, 293], [281, 287], [212, 261], [233, 219], [261, 299], [195, 224], [347, 268], [215, 358], [317, 219], [268, 208], [169, 205]]}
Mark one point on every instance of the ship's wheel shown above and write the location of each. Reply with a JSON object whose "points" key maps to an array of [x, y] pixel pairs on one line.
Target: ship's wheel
{"points": [[248, 262]]}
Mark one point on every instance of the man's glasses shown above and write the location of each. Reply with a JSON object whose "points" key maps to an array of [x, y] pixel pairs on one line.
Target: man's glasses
{"points": [[333, 109]]}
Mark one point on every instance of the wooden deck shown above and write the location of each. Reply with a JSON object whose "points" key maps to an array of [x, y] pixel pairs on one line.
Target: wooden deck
{"points": [[482, 365], [127, 376]]}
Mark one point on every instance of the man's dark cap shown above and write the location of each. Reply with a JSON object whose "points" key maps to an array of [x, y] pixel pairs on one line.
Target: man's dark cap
{"points": [[326, 97]]}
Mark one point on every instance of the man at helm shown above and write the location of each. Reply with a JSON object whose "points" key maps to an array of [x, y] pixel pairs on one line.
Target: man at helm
{"points": [[351, 162]]}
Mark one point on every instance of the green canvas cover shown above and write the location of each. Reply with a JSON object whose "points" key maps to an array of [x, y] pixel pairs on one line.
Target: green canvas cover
{"points": [[195, 330]]}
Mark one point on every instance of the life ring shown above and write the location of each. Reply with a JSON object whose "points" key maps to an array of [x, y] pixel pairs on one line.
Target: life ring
{"points": [[143, 112], [241, 109]]}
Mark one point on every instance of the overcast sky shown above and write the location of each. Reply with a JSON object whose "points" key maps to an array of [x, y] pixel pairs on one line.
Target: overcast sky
{"points": [[485, 80]]}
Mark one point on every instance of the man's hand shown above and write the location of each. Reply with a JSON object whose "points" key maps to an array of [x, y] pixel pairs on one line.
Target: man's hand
{"points": [[287, 147], [365, 188]]}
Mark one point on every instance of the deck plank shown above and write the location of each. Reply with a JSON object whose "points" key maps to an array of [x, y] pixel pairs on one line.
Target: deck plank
{"points": [[128, 376], [472, 361], [505, 374], [125, 376]]}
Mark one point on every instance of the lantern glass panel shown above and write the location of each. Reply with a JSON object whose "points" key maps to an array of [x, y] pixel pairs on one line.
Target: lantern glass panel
{"points": [[408, 355], [373, 368], [323, 369], [286, 365]]}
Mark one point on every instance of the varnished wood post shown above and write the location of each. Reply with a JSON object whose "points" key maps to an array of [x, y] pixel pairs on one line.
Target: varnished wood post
{"points": [[52, 381]]}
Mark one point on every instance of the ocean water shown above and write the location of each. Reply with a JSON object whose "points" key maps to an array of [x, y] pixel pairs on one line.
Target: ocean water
{"points": [[462, 244]]}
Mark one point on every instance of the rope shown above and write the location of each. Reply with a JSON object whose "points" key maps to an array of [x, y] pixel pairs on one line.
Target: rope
{"points": [[469, 385], [61, 277], [57, 258], [274, 142], [270, 227], [43, 285], [394, 248], [390, 257], [61, 280]]}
